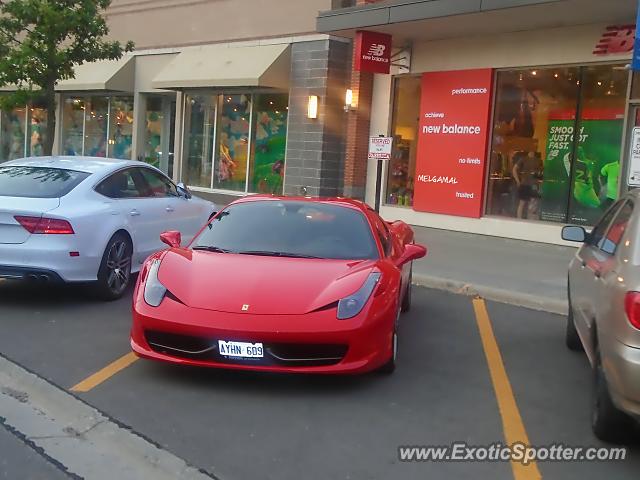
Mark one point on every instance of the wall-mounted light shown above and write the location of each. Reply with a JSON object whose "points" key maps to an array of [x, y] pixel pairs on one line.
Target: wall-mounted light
{"points": [[312, 108], [348, 101]]}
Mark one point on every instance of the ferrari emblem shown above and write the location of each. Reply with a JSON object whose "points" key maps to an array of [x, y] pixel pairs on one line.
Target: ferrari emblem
{"points": [[245, 308]]}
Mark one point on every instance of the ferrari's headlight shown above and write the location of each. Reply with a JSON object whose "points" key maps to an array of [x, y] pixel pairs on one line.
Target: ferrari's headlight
{"points": [[154, 291], [352, 305]]}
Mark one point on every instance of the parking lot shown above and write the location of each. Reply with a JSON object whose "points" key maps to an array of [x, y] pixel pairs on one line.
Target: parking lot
{"points": [[447, 388]]}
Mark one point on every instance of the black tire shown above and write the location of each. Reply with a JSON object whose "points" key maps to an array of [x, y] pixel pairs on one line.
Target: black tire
{"points": [[607, 422], [114, 274], [406, 301], [571, 338], [390, 367]]}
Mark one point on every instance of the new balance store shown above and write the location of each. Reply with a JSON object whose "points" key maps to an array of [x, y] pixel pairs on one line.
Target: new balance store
{"points": [[512, 132]]}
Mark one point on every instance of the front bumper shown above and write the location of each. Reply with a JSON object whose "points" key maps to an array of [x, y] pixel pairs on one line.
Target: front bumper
{"points": [[311, 343], [622, 366]]}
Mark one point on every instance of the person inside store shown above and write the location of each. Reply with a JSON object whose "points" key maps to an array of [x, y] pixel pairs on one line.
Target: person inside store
{"points": [[610, 173], [526, 175]]}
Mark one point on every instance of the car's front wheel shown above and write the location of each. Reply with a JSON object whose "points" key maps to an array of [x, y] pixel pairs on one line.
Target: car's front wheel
{"points": [[390, 366], [607, 422], [114, 274]]}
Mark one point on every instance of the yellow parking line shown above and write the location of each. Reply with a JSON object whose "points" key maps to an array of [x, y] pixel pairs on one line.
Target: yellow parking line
{"points": [[104, 374], [512, 424]]}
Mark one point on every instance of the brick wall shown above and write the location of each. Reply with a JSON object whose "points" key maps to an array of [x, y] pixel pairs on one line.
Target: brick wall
{"points": [[315, 147]]}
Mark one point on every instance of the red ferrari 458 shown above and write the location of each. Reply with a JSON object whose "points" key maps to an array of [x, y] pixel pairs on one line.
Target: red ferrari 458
{"points": [[279, 284]]}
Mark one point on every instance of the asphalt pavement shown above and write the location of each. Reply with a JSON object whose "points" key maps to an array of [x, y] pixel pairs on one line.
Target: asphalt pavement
{"points": [[237, 425]]}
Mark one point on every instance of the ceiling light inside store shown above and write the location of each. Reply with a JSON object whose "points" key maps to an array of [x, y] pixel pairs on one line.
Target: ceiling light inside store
{"points": [[555, 75], [534, 73]]}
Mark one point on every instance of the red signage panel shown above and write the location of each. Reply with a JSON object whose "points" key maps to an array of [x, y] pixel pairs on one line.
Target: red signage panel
{"points": [[372, 52], [452, 142]]}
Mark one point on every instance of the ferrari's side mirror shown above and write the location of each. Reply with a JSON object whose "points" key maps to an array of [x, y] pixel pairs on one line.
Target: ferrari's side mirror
{"points": [[183, 191], [171, 238], [411, 252]]}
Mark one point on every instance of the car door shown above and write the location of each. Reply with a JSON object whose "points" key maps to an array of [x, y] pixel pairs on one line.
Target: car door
{"points": [[180, 213], [140, 212], [584, 272], [607, 294]]}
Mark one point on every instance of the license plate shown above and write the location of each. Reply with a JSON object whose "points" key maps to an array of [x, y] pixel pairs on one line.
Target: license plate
{"points": [[240, 349]]}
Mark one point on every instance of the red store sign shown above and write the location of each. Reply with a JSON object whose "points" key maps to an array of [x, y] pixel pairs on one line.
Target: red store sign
{"points": [[372, 52], [616, 39], [452, 142]]}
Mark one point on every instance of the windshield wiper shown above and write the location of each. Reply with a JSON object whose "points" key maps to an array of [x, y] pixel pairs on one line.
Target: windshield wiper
{"points": [[208, 248], [268, 253]]}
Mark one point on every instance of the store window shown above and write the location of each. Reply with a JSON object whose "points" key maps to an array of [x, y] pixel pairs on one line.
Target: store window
{"points": [[97, 126], [405, 120], [236, 142], [22, 131], [533, 174], [269, 143], [121, 128], [160, 132], [230, 171]]}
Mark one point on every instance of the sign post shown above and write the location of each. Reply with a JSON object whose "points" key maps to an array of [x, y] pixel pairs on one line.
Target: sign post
{"points": [[380, 149]]}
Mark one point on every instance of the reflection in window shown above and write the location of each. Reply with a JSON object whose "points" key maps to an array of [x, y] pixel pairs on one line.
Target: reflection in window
{"points": [[159, 132], [88, 121], [96, 118], [73, 126], [199, 127], [596, 170], [37, 129], [533, 175], [233, 143], [121, 128], [402, 167], [269, 143], [12, 134]]}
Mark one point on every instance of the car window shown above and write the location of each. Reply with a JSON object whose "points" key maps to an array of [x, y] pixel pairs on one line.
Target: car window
{"points": [[122, 184], [291, 228], [597, 234], [38, 182], [158, 184], [383, 233], [613, 237]]}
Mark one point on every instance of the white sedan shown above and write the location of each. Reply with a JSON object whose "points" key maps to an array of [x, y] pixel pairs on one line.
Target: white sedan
{"points": [[80, 219]]}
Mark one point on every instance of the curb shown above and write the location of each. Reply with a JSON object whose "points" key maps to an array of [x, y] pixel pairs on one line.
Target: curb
{"points": [[533, 302]]}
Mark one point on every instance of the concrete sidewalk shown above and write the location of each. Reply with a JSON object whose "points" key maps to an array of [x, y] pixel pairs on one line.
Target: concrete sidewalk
{"points": [[521, 273]]}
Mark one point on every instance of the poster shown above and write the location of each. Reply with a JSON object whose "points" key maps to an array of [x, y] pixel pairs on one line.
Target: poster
{"points": [[271, 144], [595, 173], [452, 142]]}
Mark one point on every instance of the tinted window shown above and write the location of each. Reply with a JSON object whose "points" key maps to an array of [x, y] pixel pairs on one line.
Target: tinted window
{"points": [[383, 233], [38, 182], [122, 184], [292, 227], [616, 231], [601, 227], [158, 184]]}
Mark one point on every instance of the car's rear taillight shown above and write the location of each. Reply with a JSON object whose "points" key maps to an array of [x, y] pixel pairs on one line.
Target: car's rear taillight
{"points": [[632, 307], [45, 226]]}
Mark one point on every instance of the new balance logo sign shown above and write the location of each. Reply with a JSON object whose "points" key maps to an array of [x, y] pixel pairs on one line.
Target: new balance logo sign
{"points": [[616, 39], [377, 50]]}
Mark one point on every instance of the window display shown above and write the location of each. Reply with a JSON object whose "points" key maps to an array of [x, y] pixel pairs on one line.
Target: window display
{"points": [[12, 134], [121, 128], [532, 174], [199, 129], [97, 126], [402, 166], [236, 142], [269, 143], [233, 142], [37, 129]]}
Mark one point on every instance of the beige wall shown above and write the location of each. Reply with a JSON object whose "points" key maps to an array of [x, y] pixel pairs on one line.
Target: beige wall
{"points": [[555, 46], [169, 23]]}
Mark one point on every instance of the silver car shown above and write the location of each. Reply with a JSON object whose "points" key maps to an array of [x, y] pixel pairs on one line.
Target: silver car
{"points": [[604, 314]]}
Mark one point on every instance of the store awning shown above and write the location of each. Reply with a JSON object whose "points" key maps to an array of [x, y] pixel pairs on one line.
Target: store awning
{"points": [[228, 66], [105, 75]]}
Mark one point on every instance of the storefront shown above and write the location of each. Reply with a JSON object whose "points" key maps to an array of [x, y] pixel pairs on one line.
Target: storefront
{"points": [[22, 131], [484, 108]]}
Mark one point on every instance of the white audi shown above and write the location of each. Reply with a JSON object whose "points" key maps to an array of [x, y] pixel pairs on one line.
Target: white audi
{"points": [[82, 219]]}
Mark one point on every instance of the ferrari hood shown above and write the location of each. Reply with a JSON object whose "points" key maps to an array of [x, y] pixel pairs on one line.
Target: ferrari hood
{"points": [[259, 285]]}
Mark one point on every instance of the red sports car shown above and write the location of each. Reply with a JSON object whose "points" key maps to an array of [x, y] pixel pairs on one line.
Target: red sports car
{"points": [[279, 284]]}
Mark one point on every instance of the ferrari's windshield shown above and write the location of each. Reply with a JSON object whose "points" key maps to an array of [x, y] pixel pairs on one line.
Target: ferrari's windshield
{"points": [[290, 229]]}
